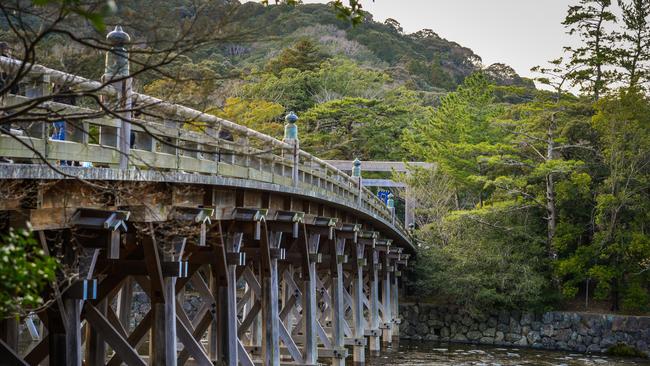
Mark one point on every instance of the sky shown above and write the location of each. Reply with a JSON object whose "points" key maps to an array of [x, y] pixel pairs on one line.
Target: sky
{"points": [[520, 33]]}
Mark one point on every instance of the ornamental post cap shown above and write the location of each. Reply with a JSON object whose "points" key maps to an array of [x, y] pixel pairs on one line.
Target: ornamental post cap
{"points": [[118, 36], [356, 162], [291, 117]]}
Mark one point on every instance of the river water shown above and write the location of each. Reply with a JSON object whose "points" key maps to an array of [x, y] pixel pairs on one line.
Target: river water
{"points": [[435, 354]]}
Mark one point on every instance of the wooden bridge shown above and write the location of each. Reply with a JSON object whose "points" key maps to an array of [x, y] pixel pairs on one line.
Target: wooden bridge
{"points": [[290, 260]]}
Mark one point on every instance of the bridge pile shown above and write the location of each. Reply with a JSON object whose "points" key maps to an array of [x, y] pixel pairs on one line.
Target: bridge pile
{"points": [[294, 262]]}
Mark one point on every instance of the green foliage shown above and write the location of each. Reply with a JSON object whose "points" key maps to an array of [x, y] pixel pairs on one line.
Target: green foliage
{"points": [[623, 350], [260, 115], [487, 260], [303, 56], [459, 135], [362, 128], [24, 272], [589, 19]]}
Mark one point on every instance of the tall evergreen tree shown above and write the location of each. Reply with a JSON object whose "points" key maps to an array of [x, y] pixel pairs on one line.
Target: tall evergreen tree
{"points": [[589, 19], [635, 54]]}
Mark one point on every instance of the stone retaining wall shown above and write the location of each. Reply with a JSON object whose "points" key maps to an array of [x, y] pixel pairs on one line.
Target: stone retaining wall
{"points": [[578, 332]]}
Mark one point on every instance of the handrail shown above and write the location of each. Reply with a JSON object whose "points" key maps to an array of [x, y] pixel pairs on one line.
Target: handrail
{"points": [[332, 176]]}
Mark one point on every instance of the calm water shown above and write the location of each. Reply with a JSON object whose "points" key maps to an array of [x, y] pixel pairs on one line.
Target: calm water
{"points": [[435, 354]]}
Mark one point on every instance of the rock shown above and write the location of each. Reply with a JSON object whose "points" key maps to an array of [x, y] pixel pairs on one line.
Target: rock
{"points": [[490, 332], [526, 319], [547, 330], [548, 343], [547, 318], [594, 348], [533, 337], [513, 337], [431, 337], [607, 342], [498, 337], [482, 326], [486, 340], [523, 342], [422, 329], [444, 332], [563, 335], [514, 326], [466, 321], [474, 335], [459, 338], [581, 348], [492, 322], [562, 345]]}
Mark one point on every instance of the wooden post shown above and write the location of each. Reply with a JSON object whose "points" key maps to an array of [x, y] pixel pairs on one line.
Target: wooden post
{"points": [[309, 303], [357, 304], [213, 333], [228, 304], [387, 318], [373, 343], [124, 301], [73, 332], [158, 339], [170, 321], [337, 298], [270, 311], [395, 303]]}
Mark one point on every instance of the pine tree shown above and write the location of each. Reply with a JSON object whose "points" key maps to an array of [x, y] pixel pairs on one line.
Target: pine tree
{"points": [[635, 55], [589, 19]]}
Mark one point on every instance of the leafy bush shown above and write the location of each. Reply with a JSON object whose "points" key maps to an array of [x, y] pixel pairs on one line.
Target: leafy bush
{"points": [[24, 271]]}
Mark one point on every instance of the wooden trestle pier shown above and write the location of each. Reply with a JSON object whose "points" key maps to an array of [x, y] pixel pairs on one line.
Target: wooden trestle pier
{"points": [[292, 261]]}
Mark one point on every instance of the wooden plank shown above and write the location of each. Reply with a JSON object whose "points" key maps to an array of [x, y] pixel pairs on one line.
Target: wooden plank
{"points": [[96, 347], [192, 345], [285, 337], [136, 337], [121, 346], [197, 333], [373, 344], [358, 352]]}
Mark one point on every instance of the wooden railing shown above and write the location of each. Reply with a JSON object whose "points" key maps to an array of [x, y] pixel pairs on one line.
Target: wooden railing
{"points": [[168, 137]]}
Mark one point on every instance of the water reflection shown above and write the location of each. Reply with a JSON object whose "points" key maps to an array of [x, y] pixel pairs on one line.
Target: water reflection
{"points": [[434, 354]]}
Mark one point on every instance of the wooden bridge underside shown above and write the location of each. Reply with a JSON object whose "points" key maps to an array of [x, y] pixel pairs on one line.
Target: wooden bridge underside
{"points": [[283, 277]]}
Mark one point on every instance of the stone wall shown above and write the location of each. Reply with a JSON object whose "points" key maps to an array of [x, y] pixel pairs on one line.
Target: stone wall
{"points": [[575, 332]]}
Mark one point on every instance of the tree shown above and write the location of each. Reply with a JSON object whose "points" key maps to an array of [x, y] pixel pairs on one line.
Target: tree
{"points": [[304, 55], [394, 24], [635, 54], [458, 135], [259, 115], [621, 245], [349, 128], [589, 19]]}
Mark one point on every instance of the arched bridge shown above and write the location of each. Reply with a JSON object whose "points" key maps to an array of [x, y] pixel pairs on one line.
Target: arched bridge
{"points": [[188, 239]]}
